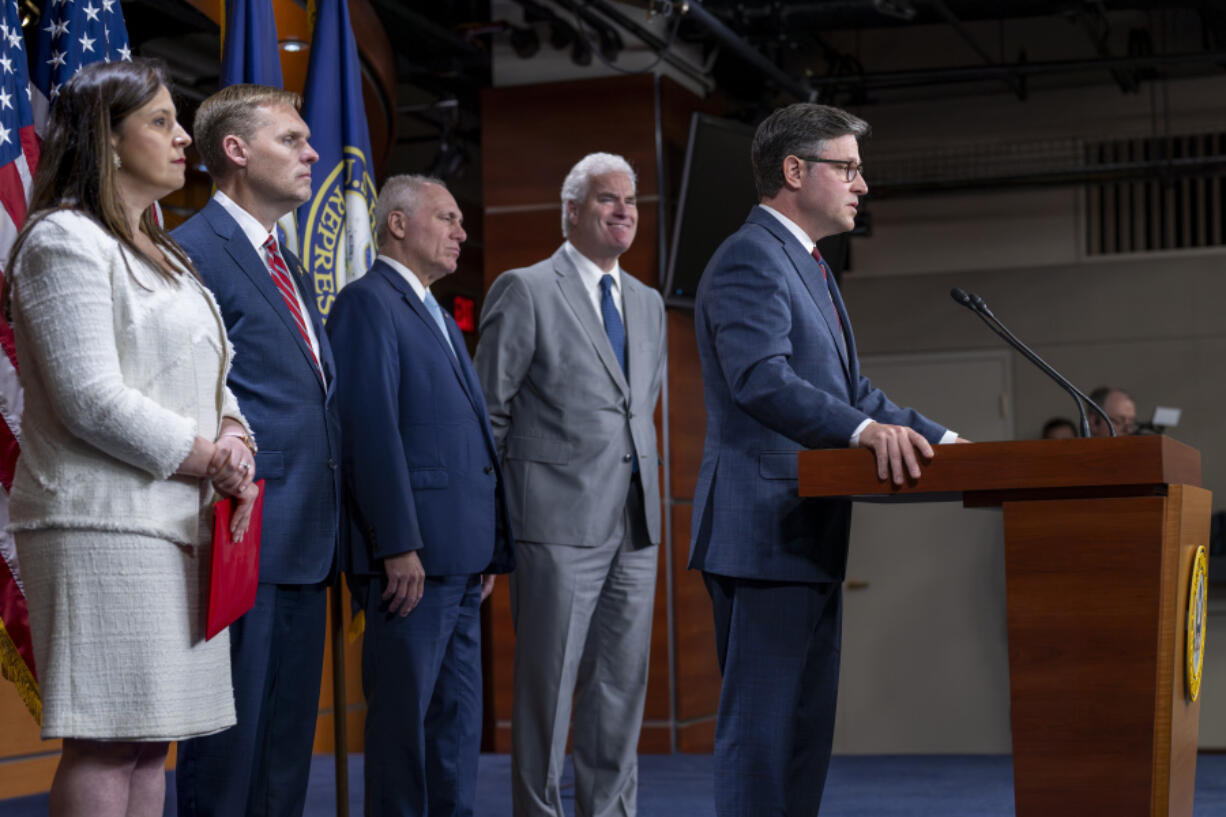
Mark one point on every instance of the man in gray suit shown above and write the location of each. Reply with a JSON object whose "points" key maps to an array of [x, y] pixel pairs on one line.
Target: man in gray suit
{"points": [[570, 359]]}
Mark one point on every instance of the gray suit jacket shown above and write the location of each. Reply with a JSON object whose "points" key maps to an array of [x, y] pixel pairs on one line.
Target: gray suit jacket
{"points": [[567, 423]]}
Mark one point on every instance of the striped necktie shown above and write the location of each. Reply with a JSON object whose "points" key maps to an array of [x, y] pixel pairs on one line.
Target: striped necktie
{"points": [[281, 279]]}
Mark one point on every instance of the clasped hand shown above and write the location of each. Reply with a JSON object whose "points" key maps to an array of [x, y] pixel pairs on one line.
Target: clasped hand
{"points": [[231, 469]]}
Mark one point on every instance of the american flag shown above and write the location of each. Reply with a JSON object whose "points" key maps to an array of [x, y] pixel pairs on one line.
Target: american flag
{"points": [[70, 34]]}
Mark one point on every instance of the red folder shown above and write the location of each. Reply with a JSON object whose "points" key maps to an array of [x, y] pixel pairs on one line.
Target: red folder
{"points": [[235, 569]]}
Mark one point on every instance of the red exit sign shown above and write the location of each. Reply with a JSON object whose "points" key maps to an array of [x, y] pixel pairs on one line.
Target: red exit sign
{"points": [[464, 310]]}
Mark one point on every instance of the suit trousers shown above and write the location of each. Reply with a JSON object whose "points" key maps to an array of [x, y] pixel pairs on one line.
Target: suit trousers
{"points": [[260, 767], [778, 646], [421, 675], [582, 620]]}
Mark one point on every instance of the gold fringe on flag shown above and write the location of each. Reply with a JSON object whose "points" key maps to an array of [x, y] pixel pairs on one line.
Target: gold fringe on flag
{"points": [[14, 668], [357, 626]]}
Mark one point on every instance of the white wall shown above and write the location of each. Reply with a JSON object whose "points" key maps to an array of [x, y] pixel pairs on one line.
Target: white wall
{"points": [[1153, 323]]}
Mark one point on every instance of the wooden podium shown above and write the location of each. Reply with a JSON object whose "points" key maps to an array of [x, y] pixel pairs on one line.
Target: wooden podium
{"points": [[1100, 540]]}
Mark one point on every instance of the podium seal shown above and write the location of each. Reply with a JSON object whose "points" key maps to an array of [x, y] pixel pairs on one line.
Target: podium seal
{"points": [[1196, 622]]}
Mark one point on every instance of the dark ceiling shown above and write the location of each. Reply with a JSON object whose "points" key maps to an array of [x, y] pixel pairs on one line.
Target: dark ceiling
{"points": [[754, 54], [757, 54], [760, 48]]}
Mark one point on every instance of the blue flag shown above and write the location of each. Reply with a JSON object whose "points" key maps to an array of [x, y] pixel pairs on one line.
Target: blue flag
{"points": [[249, 44], [249, 54], [334, 232], [73, 33]]}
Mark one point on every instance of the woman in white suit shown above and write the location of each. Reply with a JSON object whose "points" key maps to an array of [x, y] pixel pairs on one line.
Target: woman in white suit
{"points": [[128, 429]]}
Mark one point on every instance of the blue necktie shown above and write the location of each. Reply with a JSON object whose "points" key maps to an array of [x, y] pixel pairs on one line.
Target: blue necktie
{"points": [[436, 312], [613, 325], [614, 328]]}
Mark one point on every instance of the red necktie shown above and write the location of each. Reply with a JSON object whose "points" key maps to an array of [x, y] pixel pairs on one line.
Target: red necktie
{"points": [[280, 277], [817, 256]]}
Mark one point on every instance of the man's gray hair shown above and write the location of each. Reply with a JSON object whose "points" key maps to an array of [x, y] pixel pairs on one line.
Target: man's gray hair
{"points": [[579, 179], [400, 193], [799, 129]]}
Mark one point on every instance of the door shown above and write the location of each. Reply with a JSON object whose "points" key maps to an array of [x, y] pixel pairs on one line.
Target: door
{"points": [[925, 665]]}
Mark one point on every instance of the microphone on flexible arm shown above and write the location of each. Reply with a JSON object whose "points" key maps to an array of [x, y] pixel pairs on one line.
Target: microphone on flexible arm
{"points": [[976, 304], [982, 307]]}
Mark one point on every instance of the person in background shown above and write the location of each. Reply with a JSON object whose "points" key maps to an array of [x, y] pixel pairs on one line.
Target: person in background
{"points": [[1059, 428], [1119, 407], [128, 428], [255, 146]]}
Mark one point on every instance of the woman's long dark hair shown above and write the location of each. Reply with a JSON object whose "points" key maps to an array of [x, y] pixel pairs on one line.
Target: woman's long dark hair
{"points": [[76, 170]]}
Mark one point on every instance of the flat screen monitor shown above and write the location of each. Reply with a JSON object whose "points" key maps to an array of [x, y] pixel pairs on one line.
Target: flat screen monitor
{"points": [[717, 193]]}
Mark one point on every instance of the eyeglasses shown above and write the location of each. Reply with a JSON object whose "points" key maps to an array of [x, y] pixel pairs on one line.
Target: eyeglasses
{"points": [[850, 168]]}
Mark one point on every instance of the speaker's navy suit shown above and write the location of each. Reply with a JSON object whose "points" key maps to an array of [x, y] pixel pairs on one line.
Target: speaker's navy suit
{"points": [[262, 764], [779, 375], [421, 471]]}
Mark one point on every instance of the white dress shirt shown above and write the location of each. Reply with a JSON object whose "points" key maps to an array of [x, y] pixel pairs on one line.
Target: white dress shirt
{"points": [[407, 274], [591, 274], [808, 243], [257, 235]]}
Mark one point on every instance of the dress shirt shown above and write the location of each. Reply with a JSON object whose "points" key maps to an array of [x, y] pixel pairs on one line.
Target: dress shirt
{"points": [[809, 244], [257, 235], [591, 274], [419, 288], [407, 274]]}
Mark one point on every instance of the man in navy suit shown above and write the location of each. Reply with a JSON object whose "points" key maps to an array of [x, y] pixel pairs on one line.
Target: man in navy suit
{"points": [[780, 374], [429, 514], [255, 146]]}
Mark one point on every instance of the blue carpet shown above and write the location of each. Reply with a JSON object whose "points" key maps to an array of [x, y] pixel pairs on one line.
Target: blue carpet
{"points": [[680, 786]]}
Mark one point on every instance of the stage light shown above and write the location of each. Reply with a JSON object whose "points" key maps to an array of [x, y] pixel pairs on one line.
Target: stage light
{"points": [[525, 41]]}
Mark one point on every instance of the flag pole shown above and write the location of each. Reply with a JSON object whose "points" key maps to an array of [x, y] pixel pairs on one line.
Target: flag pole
{"points": [[340, 708]]}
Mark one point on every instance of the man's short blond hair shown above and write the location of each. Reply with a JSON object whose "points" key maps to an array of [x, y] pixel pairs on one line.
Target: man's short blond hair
{"points": [[233, 111]]}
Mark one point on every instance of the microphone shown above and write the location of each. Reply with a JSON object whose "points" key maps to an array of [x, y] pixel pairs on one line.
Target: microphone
{"points": [[983, 307], [976, 304]]}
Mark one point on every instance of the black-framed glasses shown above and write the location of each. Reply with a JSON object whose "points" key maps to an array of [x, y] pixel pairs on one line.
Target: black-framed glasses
{"points": [[850, 168]]}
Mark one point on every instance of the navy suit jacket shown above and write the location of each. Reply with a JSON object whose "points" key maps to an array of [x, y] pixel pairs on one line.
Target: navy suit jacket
{"points": [[775, 382], [295, 419], [421, 468]]}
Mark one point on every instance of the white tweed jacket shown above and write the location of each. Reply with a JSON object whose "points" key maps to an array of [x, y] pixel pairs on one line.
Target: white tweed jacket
{"points": [[122, 369]]}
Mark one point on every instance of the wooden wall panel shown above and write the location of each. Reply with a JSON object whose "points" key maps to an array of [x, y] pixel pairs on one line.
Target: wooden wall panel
{"points": [[687, 417], [698, 679], [519, 238], [532, 135], [696, 737], [24, 776], [27, 762]]}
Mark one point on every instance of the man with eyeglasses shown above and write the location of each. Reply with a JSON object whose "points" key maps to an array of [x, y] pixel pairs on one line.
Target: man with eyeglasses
{"points": [[1119, 407], [780, 374]]}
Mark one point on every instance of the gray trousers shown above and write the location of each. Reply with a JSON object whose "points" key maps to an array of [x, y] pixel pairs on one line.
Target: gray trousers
{"points": [[582, 628]]}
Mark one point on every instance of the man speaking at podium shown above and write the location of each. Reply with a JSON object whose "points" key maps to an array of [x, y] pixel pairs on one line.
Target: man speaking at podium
{"points": [[780, 374]]}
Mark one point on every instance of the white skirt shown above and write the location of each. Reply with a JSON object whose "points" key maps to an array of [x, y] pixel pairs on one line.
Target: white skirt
{"points": [[117, 622]]}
